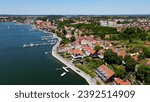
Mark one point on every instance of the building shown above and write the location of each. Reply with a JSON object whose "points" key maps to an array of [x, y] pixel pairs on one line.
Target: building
{"points": [[118, 81], [88, 51], [76, 53], [105, 73], [121, 53], [148, 62]]}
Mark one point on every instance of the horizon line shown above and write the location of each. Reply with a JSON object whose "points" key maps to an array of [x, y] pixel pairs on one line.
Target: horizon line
{"points": [[72, 14]]}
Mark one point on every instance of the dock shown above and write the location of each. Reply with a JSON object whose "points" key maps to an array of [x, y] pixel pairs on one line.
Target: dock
{"points": [[36, 45], [65, 68]]}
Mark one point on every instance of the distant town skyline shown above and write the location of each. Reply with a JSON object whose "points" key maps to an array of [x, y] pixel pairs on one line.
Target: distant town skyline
{"points": [[74, 7]]}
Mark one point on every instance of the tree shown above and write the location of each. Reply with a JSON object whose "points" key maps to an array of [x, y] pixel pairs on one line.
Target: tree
{"points": [[143, 74], [146, 51], [73, 39], [132, 33], [141, 57], [120, 71], [112, 57], [65, 41], [64, 31], [130, 63], [97, 48]]}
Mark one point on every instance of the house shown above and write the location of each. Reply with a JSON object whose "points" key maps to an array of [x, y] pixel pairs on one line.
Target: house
{"points": [[147, 43], [107, 36], [121, 52], [112, 48], [148, 62], [77, 44], [118, 81], [76, 53], [105, 73], [68, 36], [84, 42], [136, 58], [88, 51]]}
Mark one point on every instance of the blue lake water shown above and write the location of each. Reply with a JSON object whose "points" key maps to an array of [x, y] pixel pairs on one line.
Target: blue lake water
{"points": [[29, 66]]}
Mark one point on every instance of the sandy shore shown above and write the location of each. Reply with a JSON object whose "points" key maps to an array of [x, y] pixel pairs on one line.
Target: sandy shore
{"points": [[91, 81]]}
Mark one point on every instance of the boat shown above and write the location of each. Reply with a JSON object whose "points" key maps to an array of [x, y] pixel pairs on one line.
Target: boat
{"points": [[25, 45], [58, 68], [31, 45], [63, 74], [47, 53]]}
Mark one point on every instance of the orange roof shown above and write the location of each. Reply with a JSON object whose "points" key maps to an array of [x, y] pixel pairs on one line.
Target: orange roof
{"points": [[94, 41], [148, 62], [107, 71], [91, 51], [101, 51], [99, 43], [119, 81], [121, 52], [76, 51], [107, 36], [112, 48], [136, 58]]}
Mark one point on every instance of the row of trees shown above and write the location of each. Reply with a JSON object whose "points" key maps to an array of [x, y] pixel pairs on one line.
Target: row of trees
{"points": [[133, 33]]}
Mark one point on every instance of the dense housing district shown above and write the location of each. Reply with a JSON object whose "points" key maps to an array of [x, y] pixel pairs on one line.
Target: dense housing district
{"points": [[113, 50]]}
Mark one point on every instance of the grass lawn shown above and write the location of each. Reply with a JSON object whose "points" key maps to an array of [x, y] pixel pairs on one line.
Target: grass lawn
{"points": [[85, 69]]}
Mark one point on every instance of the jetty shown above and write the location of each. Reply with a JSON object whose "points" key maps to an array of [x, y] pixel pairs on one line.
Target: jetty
{"points": [[65, 68], [46, 37], [36, 45]]}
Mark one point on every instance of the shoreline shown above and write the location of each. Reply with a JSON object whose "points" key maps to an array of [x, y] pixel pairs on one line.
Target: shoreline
{"points": [[87, 78]]}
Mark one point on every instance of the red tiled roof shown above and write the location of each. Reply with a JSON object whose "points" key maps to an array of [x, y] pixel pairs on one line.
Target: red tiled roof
{"points": [[112, 48], [121, 52], [119, 81], [101, 51], [91, 51], [99, 43], [107, 71], [107, 36], [148, 62], [76, 51], [136, 58]]}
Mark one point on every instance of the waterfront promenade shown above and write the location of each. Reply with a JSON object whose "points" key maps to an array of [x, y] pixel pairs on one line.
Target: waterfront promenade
{"points": [[91, 81]]}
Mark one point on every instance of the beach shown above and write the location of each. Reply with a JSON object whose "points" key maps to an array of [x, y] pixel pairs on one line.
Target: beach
{"points": [[91, 81]]}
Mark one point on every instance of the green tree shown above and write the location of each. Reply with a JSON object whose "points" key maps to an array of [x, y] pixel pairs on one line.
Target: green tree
{"points": [[112, 57], [64, 31], [130, 63], [65, 41], [141, 57], [97, 48], [146, 51], [143, 74], [73, 39], [120, 71]]}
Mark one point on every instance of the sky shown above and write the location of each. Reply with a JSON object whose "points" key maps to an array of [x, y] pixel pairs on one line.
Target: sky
{"points": [[74, 7]]}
